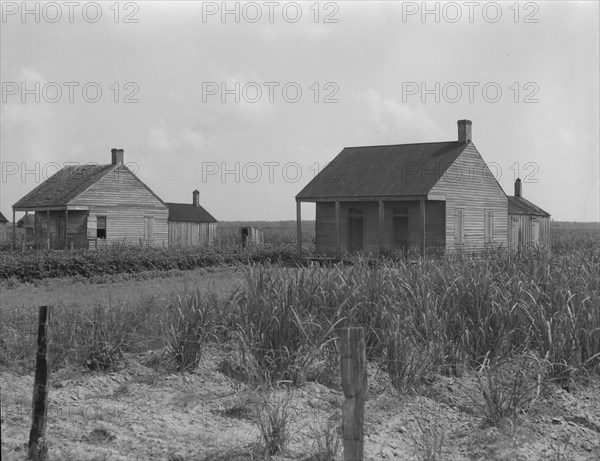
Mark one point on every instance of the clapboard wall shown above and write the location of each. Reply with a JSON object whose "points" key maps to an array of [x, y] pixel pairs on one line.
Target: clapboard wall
{"points": [[469, 185], [191, 234], [128, 206]]}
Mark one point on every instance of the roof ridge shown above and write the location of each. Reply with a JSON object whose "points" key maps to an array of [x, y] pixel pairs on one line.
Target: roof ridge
{"points": [[405, 144]]}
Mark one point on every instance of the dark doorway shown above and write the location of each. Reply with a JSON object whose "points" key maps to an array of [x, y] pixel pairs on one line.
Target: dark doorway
{"points": [[61, 233], [355, 230], [400, 230]]}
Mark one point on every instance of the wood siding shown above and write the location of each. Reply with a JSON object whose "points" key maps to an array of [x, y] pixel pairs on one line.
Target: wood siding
{"points": [[127, 205], [191, 234], [468, 184], [521, 230], [325, 226]]}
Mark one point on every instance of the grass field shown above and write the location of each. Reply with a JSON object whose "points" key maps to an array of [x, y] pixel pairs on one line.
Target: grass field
{"points": [[516, 325]]}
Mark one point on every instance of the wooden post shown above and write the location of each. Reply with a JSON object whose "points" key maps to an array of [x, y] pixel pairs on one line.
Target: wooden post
{"points": [[14, 239], [299, 228], [38, 449], [422, 208], [354, 384], [381, 218], [338, 245], [48, 229], [35, 231], [66, 228]]}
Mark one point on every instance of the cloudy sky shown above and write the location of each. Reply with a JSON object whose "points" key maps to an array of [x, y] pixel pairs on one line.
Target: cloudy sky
{"points": [[247, 101]]}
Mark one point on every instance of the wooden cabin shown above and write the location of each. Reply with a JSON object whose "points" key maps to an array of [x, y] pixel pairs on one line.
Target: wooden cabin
{"points": [[190, 225], [412, 198], [95, 205], [528, 224]]}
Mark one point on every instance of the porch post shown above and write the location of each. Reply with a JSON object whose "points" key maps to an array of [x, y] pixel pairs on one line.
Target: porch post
{"points": [[299, 228], [35, 226], [422, 207], [66, 228], [14, 239], [338, 246], [48, 229], [381, 216]]}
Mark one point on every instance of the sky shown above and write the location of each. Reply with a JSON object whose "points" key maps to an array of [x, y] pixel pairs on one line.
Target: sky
{"points": [[247, 101]]}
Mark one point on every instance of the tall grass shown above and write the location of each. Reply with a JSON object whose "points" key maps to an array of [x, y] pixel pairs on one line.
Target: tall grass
{"points": [[420, 316]]}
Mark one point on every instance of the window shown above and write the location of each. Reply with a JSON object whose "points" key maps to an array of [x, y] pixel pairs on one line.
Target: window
{"points": [[488, 225], [149, 229], [101, 227], [459, 226], [535, 231]]}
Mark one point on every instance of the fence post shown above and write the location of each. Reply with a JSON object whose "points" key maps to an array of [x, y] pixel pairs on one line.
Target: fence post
{"points": [[38, 449], [354, 384]]}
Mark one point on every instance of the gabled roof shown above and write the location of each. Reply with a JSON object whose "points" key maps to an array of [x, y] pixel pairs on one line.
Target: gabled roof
{"points": [[383, 171], [519, 205], [188, 213], [3, 218], [62, 187]]}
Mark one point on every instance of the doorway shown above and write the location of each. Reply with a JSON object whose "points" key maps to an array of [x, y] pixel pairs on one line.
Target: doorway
{"points": [[400, 230], [355, 229]]}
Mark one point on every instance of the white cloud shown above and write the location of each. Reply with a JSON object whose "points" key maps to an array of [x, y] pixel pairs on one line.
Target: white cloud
{"points": [[162, 139], [395, 121]]}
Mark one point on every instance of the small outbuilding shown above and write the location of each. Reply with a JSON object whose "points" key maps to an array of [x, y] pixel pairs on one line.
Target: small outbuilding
{"points": [[528, 224], [190, 225], [251, 236]]}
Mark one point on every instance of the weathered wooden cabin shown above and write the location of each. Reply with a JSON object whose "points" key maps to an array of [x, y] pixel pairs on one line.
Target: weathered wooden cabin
{"points": [[94, 205], [528, 224], [190, 225], [422, 198]]}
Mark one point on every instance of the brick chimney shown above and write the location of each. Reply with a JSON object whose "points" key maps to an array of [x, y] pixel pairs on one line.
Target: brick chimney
{"points": [[518, 188], [464, 131], [117, 156], [196, 198]]}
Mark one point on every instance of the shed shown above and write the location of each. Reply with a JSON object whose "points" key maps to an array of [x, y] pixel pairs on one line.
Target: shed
{"points": [[251, 236], [529, 225], [191, 225], [411, 198], [91, 205]]}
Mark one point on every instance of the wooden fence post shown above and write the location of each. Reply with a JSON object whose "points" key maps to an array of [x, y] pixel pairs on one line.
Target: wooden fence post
{"points": [[354, 384], [38, 449]]}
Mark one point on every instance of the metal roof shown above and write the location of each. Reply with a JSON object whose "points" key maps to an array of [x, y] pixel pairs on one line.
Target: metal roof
{"points": [[518, 205], [59, 189], [383, 171], [188, 213]]}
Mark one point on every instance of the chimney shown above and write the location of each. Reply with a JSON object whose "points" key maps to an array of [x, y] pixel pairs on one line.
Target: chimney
{"points": [[464, 131], [196, 198], [117, 156], [518, 188]]}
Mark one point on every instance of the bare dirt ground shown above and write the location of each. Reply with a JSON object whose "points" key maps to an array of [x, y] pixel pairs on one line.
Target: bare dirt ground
{"points": [[139, 413]]}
